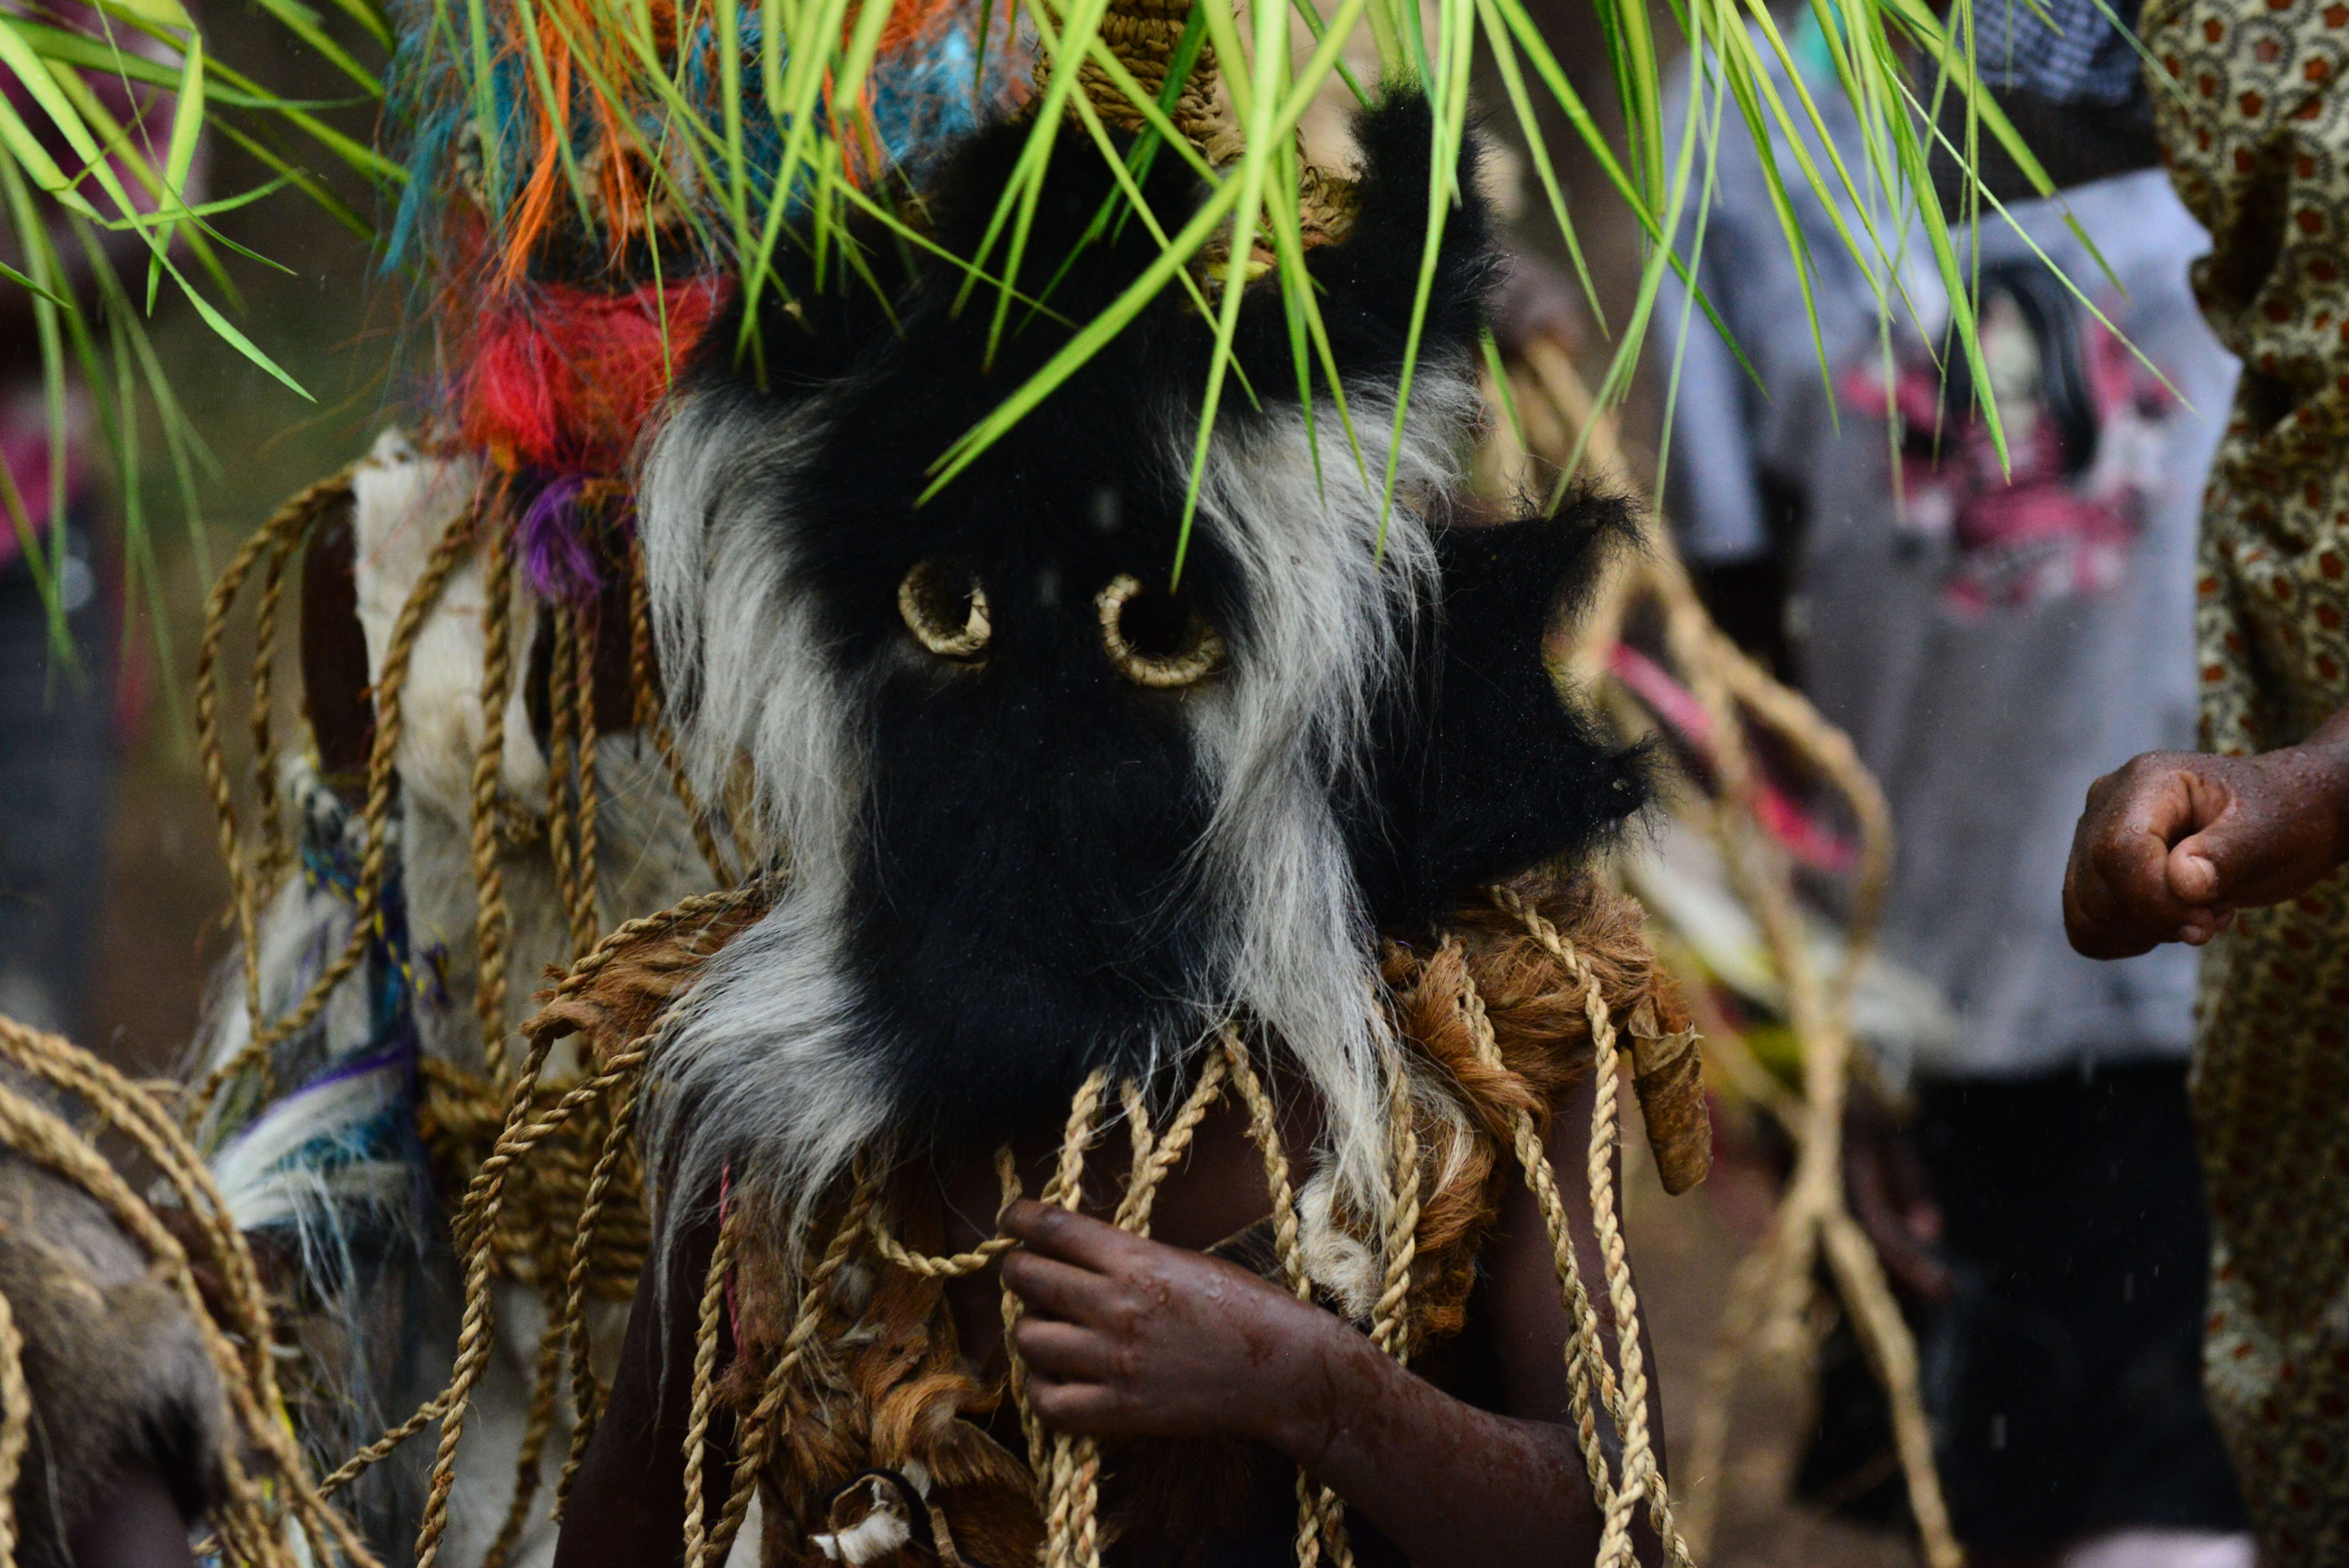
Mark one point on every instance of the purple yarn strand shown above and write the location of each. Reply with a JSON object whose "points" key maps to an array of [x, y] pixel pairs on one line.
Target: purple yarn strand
{"points": [[552, 537]]}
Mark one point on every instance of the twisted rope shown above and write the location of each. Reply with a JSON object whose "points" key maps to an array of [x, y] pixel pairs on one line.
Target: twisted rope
{"points": [[1068, 1469], [1065, 1468], [546, 1381], [1015, 1375], [587, 1391], [1391, 1318], [1813, 1222], [927, 1266], [563, 714], [276, 539], [366, 912], [584, 921], [251, 1515], [491, 925], [525, 1129], [15, 1425], [1641, 1476], [1158, 1159], [476, 1227], [756, 1435], [1321, 1516], [271, 859], [705, 1375], [1586, 1372]]}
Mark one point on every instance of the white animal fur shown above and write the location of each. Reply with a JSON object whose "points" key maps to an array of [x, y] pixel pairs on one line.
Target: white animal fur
{"points": [[1331, 616], [765, 1052], [403, 501], [874, 1536], [765, 1055]]}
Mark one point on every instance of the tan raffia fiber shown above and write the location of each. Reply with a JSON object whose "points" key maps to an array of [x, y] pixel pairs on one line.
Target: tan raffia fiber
{"points": [[1143, 35], [268, 1484], [1771, 1290]]}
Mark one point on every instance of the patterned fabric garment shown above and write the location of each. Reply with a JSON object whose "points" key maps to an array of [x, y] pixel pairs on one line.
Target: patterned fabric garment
{"points": [[2257, 140]]}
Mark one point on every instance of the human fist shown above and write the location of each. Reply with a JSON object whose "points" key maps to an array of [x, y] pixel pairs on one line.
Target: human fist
{"points": [[1127, 1336], [2172, 844]]}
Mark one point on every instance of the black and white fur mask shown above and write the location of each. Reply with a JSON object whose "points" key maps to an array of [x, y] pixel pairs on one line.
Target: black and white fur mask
{"points": [[1040, 816]]}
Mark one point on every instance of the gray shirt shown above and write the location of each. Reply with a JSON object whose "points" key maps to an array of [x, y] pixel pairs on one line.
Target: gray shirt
{"points": [[1992, 647]]}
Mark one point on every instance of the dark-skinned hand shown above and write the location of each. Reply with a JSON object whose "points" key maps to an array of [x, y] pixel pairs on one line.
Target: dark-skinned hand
{"points": [[2174, 843], [1130, 1337]]}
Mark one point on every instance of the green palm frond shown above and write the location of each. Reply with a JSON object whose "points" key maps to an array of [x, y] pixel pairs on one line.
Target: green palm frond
{"points": [[749, 121], [94, 181]]}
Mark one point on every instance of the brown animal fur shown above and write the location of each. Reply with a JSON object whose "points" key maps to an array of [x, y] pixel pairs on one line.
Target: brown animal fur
{"points": [[118, 1370]]}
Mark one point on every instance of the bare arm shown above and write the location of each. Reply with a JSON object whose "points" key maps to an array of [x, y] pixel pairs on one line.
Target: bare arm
{"points": [[1128, 1336], [2172, 844]]}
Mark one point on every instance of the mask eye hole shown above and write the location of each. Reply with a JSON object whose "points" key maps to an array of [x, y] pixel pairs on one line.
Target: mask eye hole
{"points": [[1153, 639], [945, 609]]}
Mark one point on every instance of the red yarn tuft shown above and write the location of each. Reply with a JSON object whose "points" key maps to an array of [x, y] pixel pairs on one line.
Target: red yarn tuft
{"points": [[563, 378]]}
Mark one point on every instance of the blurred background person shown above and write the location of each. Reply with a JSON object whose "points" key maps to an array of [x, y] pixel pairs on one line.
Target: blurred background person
{"points": [[2173, 845], [57, 724], [1993, 634], [58, 714]]}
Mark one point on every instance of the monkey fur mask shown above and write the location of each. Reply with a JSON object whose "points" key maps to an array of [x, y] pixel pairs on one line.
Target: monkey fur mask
{"points": [[1041, 813]]}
